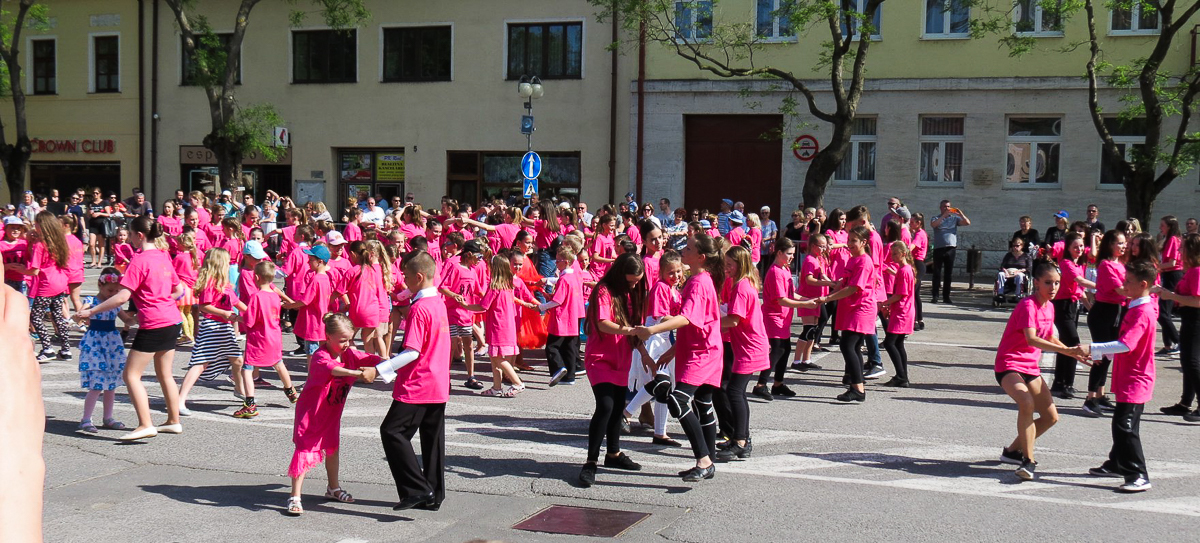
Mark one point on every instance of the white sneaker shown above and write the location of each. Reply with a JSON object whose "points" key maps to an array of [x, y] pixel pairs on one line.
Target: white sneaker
{"points": [[1139, 485]]}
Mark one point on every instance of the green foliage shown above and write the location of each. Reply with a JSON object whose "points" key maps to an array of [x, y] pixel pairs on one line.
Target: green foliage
{"points": [[36, 18], [334, 13], [251, 130]]}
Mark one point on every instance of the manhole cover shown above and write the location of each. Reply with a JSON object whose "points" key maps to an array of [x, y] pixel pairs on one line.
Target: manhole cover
{"points": [[564, 519]]}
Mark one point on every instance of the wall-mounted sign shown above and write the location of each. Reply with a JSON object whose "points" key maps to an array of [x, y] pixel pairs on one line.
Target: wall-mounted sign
{"points": [[389, 167], [92, 146], [198, 154]]}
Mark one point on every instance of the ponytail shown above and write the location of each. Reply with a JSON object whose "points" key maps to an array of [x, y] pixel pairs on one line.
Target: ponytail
{"points": [[713, 263], [147, 227]]}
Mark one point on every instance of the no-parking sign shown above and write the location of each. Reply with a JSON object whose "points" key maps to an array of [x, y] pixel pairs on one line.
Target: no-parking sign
{"points": [[805, 147]]}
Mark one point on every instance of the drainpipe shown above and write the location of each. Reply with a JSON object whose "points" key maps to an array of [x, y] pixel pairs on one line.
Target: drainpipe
{"points": [[612, 115], [154, 104], [641, 105], [141, 18]]}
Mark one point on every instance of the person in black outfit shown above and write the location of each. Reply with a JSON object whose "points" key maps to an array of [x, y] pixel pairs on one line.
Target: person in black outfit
{"points": [[1058, 232], [1028, 235], [1093, 218]]}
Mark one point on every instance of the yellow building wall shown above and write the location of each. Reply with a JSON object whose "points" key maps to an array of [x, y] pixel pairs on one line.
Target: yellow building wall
{"points": [[74, 113], [901, 52]]}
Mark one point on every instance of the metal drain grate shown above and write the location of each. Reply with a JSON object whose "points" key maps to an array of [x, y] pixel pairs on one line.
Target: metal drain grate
{"points": [[587, 521]]}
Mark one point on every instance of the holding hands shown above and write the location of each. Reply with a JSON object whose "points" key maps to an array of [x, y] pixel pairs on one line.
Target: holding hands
{"points": [[642, 332], [368, 375]]}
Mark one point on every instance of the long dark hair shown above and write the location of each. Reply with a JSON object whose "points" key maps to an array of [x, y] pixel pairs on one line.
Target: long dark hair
{"points": [[627, 302], [714, 264], [645, 226], [1172, 227], [1106, 244], [1146, 246], [149, 227], [831, 220], [863, 233], [1067, 247]]}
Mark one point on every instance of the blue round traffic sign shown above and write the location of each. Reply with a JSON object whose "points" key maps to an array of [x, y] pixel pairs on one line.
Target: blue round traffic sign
{"points": [[531, 165]]}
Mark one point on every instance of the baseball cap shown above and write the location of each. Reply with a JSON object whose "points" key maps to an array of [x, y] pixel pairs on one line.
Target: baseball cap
{"points": [[473, 247], [226, 193], [333, 237], [727, 201], [629, 195], [254, 248], [11, 220], [320, 251], [705, 224], [1062, 214], [736, 216]]}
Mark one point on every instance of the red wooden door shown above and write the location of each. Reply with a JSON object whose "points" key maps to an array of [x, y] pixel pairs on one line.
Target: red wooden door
{"points": [[739, 157]]}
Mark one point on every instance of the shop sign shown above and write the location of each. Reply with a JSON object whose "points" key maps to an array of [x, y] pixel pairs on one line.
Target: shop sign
{"points": [[92, 146], [356, 166], [199, 154], [389, 167]]}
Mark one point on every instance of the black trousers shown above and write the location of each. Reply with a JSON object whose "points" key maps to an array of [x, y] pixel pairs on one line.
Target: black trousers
{"points": [[1066, 318], [1170, 335], [721, 396], [894, 345], [703, 438], [1189, 352], [563, 352], [943, 269], [828, 314], [1104, 322], [850, 353], [1126, 456], [781, 352], [736, 391], [920, 266], [404, 420], [606, 421]]}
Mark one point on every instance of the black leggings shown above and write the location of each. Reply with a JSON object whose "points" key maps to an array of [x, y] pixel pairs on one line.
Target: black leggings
{"points": [[828, 314], [721, 396], [703, 437], [854, 362], [1104, 322], [894, 344], [736, 390], [1169, 334], [610, 402], [781, 351], [1066, 318], [920, 266], [1189, 353]]}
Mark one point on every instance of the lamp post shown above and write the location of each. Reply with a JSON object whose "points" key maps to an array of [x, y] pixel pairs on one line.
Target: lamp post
{"points": [[529, 88]]}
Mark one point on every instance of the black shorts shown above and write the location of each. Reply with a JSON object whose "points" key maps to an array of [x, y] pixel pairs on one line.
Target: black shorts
{"points": [[154, 340], [1027, 377]]}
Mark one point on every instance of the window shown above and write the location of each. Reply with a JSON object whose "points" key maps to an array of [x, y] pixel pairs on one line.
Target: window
{"points": [[860, 6], [45, 67], [947, 19], [547, 50], [325, 56], [694, 20], [859, 164], [1130, 137], [773, 20], [1137, 19], [188, 67], [416, 53], [941, 149], [1033, 150], [1031, 18], [106, 64], [474, 176]]}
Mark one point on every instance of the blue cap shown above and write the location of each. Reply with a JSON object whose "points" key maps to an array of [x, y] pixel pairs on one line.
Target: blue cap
{"points": [[1062, 214], [320, 251], [736, 216], [705, 224], [254, 248], [728, 202]]}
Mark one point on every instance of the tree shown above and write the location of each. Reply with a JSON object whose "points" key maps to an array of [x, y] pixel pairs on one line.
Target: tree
{"points": [[1151, 96], [235, 130], [14, 156], [730, 50]]}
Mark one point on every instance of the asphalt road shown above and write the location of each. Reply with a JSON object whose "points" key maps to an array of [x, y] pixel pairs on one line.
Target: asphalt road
{"points": [[917, 464]]}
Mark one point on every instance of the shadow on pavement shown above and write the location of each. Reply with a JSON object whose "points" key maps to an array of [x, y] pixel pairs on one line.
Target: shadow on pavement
{"points": [[268, 497]]}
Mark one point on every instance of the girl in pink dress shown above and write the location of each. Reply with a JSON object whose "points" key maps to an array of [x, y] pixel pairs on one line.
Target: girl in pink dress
{"points": [[900, 309], [367, 285], [613, 311], [499, 306], [331, 372], [122, 251]]}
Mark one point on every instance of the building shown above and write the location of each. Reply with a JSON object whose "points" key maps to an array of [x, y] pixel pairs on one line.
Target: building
{"points": [[943, 116]]}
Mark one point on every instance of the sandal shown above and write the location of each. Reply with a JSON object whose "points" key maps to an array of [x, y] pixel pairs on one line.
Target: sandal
{"points": [[339, 495], [517, 388], [473, 384], [293, 506], [112, 424], [504, 393], [87, 427]]}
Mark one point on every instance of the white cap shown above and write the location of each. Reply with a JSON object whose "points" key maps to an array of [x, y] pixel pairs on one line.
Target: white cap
{"points": [[334, 237], [226, 193], [13, 219]]}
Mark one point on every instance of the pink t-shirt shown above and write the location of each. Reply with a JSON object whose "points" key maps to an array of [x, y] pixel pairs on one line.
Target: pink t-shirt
{"points": [[1190, 284], [264, 338], [564, 319], [122, 254], [919, 245], [203, 243], [247, 285], [75, 249], [458, 279], [839, 257], [152, 279], [635, 235], [544, 235], [664, 300], [366, 291], [426, 379], [698, 349], [755, 244], [505, 235], [735, 235], [184, 269], [294, 267], [234, 246], [352, 232], [777, 319], [606, 356], [224, 300], [904, 311], [319, 411], [500, 317], [1068, 289], [171, 225], [650, 265], [313, 291], [14, 252], [856, 313], [287, 239], [602, 245], [50, 280], [1015, 353], [814, 267], [1170, 251], [1133, 372], [1110, 275], [749, 337], [339, 272]]}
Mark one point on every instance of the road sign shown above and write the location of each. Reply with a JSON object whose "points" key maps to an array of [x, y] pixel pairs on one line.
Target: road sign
{"points": [[531, 165], [282, 137], [805, 147], [530, 187]]}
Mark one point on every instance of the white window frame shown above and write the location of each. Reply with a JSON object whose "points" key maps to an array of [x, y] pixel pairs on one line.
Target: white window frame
{"points": [[941, 141], [946, 19], [386, 26], [692, 23], [291, 54], [1128, 142], [774, 37], [179, 55], [1032, 142], [91, 74], [855, 142], [1135, 14], [29, 64], [504, 45], [1037, 31], [861, 7]]}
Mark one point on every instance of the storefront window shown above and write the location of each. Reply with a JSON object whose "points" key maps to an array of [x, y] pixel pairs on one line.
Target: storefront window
{"points": [[370, 173]]}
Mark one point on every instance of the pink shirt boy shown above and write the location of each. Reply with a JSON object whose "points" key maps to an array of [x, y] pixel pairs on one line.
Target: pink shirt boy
{"points": [[427, 379], [1133, 371], [264, 345], [749, 337], [1015, 353], [698, 349], [607, 356], [151, 279], [313, 290], [564, 319]]}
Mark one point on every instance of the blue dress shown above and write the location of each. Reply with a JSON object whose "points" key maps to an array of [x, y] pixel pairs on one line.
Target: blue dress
{"points": [[101, 351]]}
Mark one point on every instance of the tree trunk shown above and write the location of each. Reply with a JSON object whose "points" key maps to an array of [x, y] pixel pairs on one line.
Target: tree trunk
{"points": [[14, 158], [229, 161], [826, 163], [1139, 196]]}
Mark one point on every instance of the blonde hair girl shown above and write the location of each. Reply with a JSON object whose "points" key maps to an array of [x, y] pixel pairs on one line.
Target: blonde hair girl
{"points": [[186, 263], [216, 346]]}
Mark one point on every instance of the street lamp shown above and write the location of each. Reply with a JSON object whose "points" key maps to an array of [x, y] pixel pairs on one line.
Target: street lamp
{"points": [[529, 88]]}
